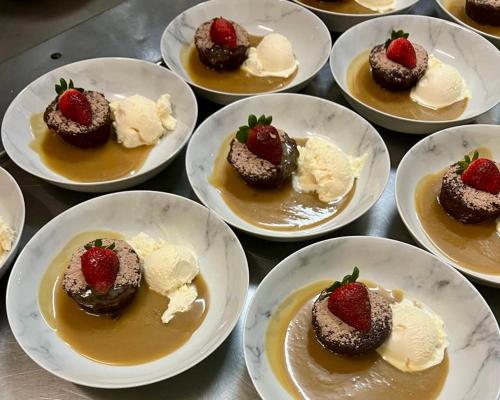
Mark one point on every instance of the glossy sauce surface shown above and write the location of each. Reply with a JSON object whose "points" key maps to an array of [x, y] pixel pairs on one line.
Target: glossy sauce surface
{"points": [[308, 371], [474, 246], [457, 8], [237, 81], [362, 86], [281, 209], [339, 6], [136, 337], [107, 162]]}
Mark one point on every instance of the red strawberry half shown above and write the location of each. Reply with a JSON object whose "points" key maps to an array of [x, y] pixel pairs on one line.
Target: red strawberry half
{"points": [[399, 49], [222, 32], [349, 301], [100, 267], [480, 173], [262, 139], [73, 103]]}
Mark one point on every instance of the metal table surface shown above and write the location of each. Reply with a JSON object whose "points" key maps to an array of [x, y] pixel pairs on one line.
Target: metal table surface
{"points": [[133, 29]]}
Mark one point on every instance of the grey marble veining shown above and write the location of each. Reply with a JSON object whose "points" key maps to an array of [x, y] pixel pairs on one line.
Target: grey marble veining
{"points": [[310, 38], [431, 155], [178, 220], [299, 116], [474, 336]]}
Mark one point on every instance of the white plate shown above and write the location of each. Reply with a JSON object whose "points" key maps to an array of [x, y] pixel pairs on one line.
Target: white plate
{"points": [[12, 211], [300, 116], [471, 327], [429, 156], [116, 78], [445, 13], [309, 36], [339, 22], [222, 264], [475, 58]]}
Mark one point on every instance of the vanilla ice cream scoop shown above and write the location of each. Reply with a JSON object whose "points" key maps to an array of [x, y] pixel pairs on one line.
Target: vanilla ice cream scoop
{"points": [[273, 56], [441, 86], [6, 238], [418, 339], [140, 121], [378, 5], [170, 267], [325, 169]]}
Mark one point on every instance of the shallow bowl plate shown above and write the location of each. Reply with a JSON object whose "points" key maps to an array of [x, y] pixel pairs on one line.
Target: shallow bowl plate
{"points": [[309, 36], [116, 78], [475, 58], [339, 22], [300, 116], [472, 329], [445, 13], [429, 156], [12, 211], [177, 219]]}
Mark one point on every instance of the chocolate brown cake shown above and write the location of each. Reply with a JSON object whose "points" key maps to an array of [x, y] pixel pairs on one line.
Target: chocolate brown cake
{"points": [[393, 76], [79, 135], [259, 172], [341, 338], [220, 57], [484, 11], [121, 293], [465, 203]]}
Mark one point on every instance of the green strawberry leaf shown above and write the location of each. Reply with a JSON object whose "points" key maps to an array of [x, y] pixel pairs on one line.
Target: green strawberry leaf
{"points": [[252, 121], [242, 134]]}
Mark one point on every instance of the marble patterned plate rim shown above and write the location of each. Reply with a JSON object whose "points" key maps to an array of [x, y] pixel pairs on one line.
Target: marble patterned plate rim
{"points": [[450, 24], [66, 181], [464, 24], [364, 15], [283, 265], [481, 277], [18, 230], [287, 235], [243, 94], [199, 358]]}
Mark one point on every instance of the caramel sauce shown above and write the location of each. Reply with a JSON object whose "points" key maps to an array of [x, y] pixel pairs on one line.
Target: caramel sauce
{"points": [[280, 209], [362, 86], [136, 337], [457, 8], [237, 81], [308, 371], [107, 162], [339, 6], [474, 246]]}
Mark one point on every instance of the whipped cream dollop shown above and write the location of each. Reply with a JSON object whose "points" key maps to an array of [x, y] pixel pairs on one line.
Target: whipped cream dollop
{"points": [[140, 121], [6, 238], [169, 270], [378, 5], [325, 169], [273, 56], [441, 86], [418, 339]]}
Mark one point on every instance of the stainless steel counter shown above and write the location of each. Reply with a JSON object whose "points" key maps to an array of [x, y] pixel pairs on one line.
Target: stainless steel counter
{"points": [[133, 29]]}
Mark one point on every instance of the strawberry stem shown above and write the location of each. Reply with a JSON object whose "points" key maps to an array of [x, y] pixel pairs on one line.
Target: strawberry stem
{"points": [[464, 164], [347, 279]]}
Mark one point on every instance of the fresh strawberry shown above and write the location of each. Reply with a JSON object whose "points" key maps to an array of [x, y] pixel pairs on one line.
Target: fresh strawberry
{"points": [[222, 32], [262, 139], [399, 49], [73, 103], [100, 266], [480, 173], [349, 301]]}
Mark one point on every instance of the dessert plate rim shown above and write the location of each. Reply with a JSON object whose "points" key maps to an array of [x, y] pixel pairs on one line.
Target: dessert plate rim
{"points": [[278, 235], [251, 354], [60, 180], [119, 382], [418, 231]]}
